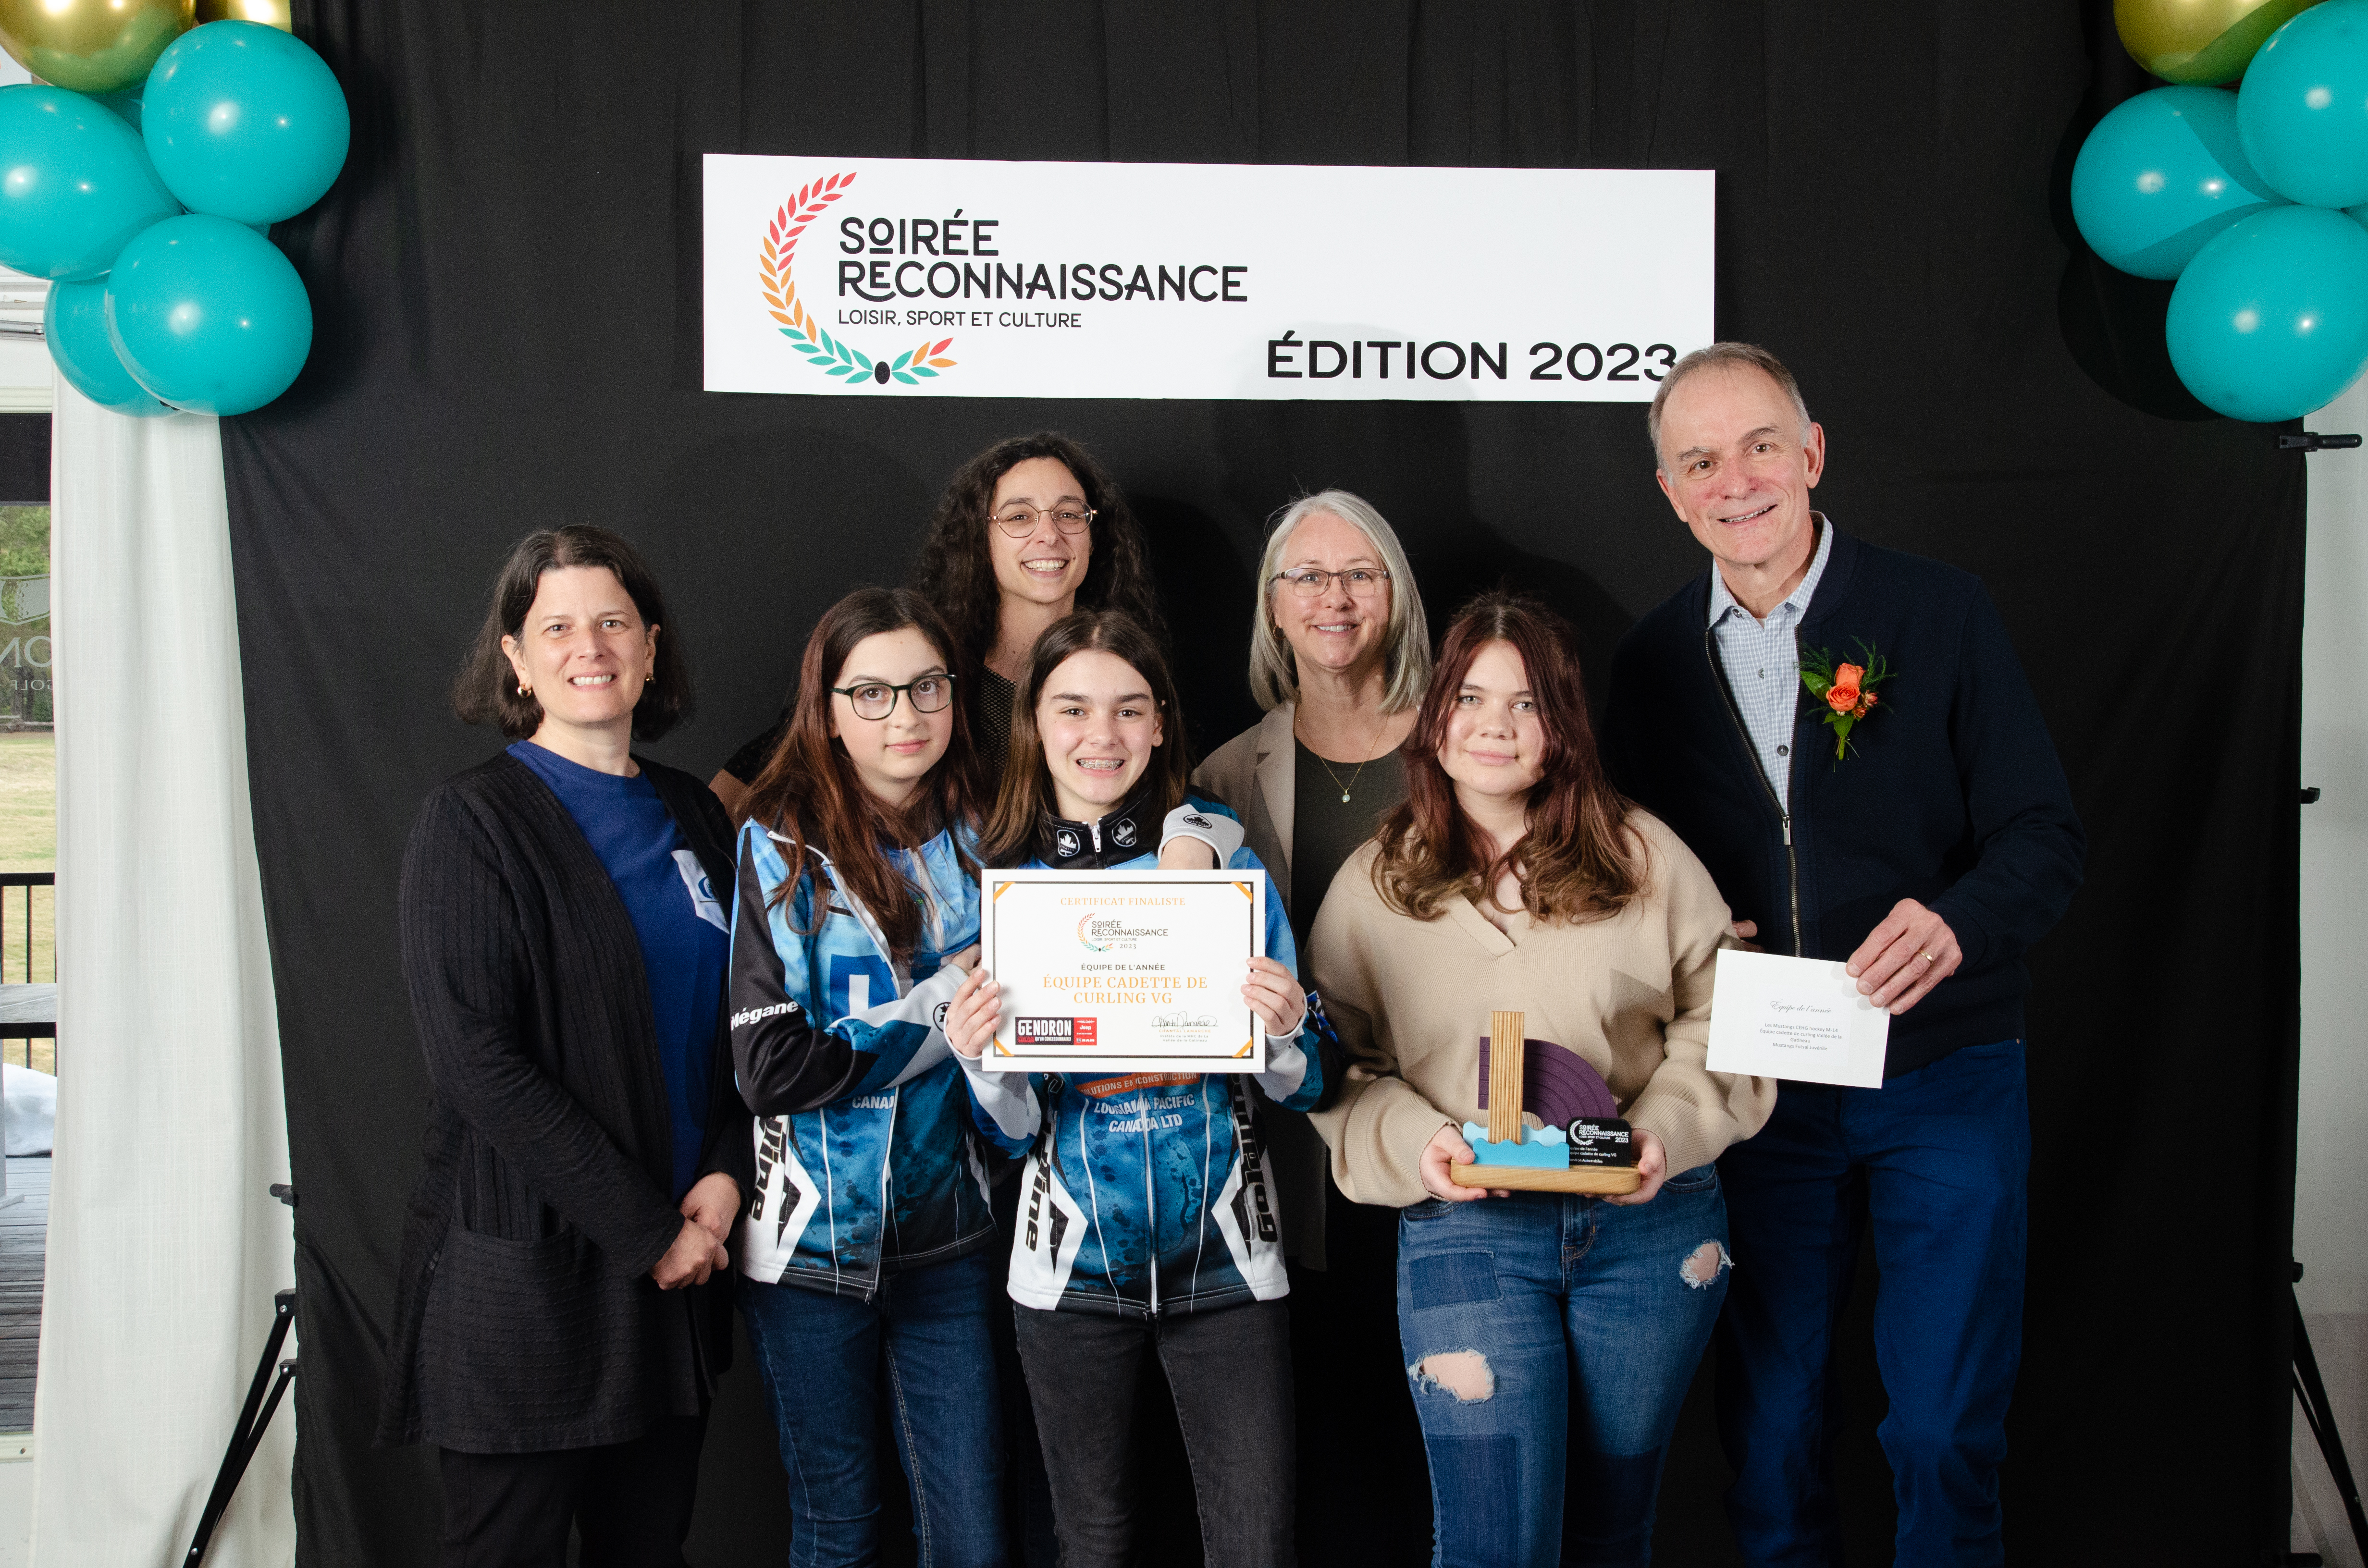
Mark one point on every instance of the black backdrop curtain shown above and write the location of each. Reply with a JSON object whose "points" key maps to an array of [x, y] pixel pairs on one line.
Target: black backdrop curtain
{"points": [[506, 282]]}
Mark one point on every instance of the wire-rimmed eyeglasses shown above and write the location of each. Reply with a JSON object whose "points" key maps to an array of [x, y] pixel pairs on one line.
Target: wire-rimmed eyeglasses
{"points": [[1021, 521], [1307, 582], [877, 698]]}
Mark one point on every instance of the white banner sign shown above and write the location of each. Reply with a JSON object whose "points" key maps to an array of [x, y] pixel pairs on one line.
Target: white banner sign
{"points": [[966, 279]]}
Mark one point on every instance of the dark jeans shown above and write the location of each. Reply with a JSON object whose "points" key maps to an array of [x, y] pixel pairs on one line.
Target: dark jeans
{"points": [[821, 1358], [1941, 1154], [1230, 1373], [630, 1501], [1550, 1339]]}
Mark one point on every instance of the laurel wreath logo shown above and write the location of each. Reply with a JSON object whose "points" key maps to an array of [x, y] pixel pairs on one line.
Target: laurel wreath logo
{"points": [[832, 356]]}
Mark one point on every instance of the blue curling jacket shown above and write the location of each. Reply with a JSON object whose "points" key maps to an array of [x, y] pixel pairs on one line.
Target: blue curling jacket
{"points": [[1145, 1193], [866, 1160]]}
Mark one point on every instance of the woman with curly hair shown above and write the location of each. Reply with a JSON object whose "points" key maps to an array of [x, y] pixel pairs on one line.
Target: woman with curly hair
{"points": [[1027, 531]]}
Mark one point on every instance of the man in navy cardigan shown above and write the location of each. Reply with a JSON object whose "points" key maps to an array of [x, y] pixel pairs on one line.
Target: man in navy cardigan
{"points": [[1927, 856]]}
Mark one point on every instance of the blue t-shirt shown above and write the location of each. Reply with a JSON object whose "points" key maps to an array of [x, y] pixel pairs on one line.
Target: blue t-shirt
{"points": [[686, 941]]}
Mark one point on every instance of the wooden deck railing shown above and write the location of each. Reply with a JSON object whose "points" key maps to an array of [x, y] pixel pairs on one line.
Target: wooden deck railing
{"points": [[28, 1000]]}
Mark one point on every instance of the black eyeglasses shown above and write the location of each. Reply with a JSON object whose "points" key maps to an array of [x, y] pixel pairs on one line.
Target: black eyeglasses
{"points": [[1021, 521], [1307, 582], [877, 698]]}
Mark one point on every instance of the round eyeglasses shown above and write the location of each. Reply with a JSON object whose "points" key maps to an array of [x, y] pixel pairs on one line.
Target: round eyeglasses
{"points": [[1021, 521], [877, 698], [1307, 582]]}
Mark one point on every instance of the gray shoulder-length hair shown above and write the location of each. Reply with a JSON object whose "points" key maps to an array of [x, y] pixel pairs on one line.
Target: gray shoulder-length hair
{"points": [[1274, 670]]}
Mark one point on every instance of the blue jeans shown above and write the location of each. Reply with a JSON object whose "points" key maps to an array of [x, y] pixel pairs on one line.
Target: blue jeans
{"points": [[1550, 1339], [1941, 1154], [821, 1358]]}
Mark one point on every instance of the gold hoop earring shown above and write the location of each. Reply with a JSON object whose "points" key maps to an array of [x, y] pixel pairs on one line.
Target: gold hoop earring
{"points": [[649, 676], [524, 691]]}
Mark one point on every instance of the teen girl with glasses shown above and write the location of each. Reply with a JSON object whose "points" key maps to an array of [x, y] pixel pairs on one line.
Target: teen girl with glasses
{"points": [[865, 1234]]}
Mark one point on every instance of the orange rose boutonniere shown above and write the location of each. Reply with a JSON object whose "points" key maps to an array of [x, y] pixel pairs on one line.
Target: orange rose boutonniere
{"points": [[1846, 691]]}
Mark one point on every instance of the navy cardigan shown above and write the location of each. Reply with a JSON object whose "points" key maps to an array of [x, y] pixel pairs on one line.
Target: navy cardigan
{"points": [[525, 1319], [1952, 794]]}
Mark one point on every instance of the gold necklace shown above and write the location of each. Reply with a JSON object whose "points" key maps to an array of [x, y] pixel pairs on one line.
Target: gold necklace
{"points": [[1326, 767]]}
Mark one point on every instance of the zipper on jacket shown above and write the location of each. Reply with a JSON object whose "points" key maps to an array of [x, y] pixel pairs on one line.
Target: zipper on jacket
{"points": [[1783, 812], [1095, 827], [1150, 1204]]}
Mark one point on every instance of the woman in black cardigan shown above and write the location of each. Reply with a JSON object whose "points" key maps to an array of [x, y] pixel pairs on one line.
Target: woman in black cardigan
{"points": [[562, 1308]]}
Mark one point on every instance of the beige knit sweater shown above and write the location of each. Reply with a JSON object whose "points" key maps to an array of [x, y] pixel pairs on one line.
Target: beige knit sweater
{"points": [[1631, 995]]}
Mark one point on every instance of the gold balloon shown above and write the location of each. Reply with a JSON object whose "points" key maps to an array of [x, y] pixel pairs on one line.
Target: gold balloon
{"points": [[270, 13], [2199, 43], [91, 46]]}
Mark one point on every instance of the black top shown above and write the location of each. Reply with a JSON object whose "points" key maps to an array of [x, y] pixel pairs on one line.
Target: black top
{"points": [[525, 1318], [1326, 829], [990, 724], [1952, 794], [750, 759]]}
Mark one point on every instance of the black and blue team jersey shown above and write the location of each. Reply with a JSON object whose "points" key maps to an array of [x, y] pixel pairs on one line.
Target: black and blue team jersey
{"points": [[867, 1159], [1144, 1192], [865, 1155]]}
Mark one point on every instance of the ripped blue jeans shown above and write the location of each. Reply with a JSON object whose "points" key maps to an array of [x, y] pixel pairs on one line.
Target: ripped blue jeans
{"points": [[1550, 1339]]}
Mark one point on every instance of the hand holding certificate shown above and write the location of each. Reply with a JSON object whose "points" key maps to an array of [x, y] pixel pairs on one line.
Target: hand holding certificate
{"points": [[1126, 971], [1773, 1016]]}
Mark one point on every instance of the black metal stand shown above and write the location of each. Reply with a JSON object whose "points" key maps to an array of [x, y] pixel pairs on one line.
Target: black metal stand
{"points": [[2320, 1414], [252, 1420]]}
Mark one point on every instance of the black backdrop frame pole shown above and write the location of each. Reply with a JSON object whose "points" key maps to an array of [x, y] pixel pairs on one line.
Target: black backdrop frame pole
{"points": [[2320, 1412], [253, 1419]]}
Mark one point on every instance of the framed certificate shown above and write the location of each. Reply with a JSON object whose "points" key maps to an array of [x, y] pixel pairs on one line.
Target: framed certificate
{"points": [[1123, 972]]}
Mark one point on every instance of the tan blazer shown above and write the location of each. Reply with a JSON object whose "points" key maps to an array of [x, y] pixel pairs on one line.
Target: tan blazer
{"points": [[1252, 773]]}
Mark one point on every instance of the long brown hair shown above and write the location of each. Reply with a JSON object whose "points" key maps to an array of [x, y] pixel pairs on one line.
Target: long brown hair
{"points": [[486, 692], [1026, 795], [808, 791], [1577, 862], [958, 574]]}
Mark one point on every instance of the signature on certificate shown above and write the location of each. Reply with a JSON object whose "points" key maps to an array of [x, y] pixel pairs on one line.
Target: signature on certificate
{"points": [[1183, 1021]]}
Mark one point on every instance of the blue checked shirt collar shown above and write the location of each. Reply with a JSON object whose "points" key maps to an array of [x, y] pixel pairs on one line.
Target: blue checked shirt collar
{"points": [[1794, 604], [1762, 660]]}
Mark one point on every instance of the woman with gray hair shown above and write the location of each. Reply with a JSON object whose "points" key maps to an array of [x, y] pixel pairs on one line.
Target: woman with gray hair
{"points": [[1340, 655]]}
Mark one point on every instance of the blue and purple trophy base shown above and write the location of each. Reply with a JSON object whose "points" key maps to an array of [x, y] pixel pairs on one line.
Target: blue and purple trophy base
{"points": [[1576, 1104]]}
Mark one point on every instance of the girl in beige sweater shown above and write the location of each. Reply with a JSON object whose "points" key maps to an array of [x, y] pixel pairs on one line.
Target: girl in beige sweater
{"points": [[1549, 1337]]}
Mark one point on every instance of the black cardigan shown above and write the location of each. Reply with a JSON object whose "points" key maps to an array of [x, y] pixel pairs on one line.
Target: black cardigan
{"points": [[1952, 794], [525, 1318]]}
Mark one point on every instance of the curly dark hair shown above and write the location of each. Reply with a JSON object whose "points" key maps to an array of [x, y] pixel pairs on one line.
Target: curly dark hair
{"points": [[486, 689], [958, 575]]}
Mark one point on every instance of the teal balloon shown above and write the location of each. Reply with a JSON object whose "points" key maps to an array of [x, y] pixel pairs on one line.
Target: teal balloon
{"points": [[208, 316], [74, 321], [75, 184], [245, 121], [2269, 321], [2160, 176], [126, 105], [2303, 112]]}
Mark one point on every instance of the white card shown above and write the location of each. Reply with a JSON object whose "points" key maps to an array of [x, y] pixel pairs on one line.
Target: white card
{"points": [[1773, 1016]]}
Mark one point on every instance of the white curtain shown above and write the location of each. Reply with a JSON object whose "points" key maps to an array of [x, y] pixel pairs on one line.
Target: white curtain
{"points": [[2331, 1165], [165, 1246]]}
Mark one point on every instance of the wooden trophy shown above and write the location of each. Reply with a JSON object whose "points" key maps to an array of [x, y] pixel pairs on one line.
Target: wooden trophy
{"points": [[1593, 1154]]}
